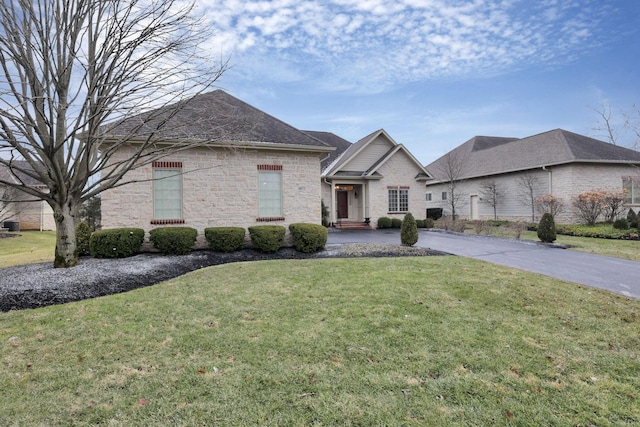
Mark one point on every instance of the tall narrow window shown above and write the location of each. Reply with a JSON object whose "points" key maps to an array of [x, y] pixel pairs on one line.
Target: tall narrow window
{"points": [[167, 191], [631, 189], [270, 192], [398, 199]]}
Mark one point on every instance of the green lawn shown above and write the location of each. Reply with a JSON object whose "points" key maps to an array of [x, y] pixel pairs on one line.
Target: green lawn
{"points": [[624, 249], [27, 247], [433, 341]]}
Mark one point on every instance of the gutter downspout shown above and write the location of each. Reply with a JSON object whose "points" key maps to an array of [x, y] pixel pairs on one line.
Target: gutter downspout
{"points": [[333, 200]]}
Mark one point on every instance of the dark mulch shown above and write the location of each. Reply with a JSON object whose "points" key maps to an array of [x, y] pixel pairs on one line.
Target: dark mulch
{"points": [[39, 285]]}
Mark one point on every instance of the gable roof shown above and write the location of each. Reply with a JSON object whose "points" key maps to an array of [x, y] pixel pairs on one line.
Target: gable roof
{"points": [[215, 117], [332, 140], [484, 156], [337, 168]]}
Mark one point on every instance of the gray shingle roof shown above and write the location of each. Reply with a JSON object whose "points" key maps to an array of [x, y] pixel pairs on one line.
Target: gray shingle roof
{"points": [[16, 174], [213, 116], [484, 156], [332, 140]]}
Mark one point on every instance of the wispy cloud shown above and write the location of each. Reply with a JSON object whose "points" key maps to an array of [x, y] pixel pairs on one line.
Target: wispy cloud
{"points": [[370, 45]]}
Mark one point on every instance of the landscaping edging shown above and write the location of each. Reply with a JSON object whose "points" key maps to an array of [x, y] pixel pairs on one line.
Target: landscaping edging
{"points": [[40, 285]]}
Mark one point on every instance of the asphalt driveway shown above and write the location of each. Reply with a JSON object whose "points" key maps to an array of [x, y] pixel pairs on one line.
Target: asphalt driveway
{"points": [[615, 275]]}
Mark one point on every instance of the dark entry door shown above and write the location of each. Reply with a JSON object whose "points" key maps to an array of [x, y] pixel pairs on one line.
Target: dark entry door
{"points": [[343, 204]]}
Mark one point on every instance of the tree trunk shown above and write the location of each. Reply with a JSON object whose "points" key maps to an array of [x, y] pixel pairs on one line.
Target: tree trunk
{"points": [[66, 250]]}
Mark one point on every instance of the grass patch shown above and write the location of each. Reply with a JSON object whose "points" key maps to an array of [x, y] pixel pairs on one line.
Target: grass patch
{"points": [[27, 247], [623, 249], [397, 341]]}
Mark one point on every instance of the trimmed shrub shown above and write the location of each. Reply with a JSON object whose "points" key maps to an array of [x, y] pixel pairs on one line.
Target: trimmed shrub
{"points": [[621, 224], [83, 235], [408, 230], [434, 213], [633, 219], [267, 238], [420, 223], [396, 223], [384, 222], [173, 240], [308, 238], [547, 228], [429, 223], [116, 242], [225, 239]]}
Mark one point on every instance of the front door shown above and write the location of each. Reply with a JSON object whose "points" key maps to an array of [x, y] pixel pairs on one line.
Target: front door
{"points": [[343, 204]]}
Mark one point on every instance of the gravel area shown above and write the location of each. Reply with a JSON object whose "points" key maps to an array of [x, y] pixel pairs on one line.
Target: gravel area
{"points": [[39, 285]]}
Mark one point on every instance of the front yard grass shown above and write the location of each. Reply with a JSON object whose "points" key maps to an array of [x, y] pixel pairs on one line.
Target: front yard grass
{"points": [[427, 341], [27, 247]]}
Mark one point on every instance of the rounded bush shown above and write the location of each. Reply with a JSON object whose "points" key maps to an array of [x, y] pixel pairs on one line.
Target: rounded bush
{"points": [[83, 236], [173, 240], [621, 224], [408, 231], [116, 242], [267, 238], [420, 223], [308, 238], [547, 228], [384, 222], [429, 223], [225, 239], [396, 223]]}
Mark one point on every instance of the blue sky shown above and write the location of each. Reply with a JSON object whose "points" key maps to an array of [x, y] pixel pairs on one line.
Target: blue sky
{"points": [[432, 73]]}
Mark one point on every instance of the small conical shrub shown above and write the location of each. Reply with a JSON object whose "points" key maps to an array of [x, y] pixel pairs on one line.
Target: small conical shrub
{"points": [[547, 228], [632, 219], [409, 230]]}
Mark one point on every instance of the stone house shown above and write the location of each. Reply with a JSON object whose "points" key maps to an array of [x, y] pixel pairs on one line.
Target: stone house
{"points": [[372, 178], [17, 206], [557, 162], [248, 169]]}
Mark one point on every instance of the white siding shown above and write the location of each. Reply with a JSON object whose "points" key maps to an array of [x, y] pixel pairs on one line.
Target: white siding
{"points": [[367, 157]]}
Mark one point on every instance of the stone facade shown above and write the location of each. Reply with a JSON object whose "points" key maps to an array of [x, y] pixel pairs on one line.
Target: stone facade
{"points": [[220, 188], [564, 182]]}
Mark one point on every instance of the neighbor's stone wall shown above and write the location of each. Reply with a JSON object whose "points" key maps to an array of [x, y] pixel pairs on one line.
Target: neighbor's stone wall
{"points": [[564, 182], [220, 188]]}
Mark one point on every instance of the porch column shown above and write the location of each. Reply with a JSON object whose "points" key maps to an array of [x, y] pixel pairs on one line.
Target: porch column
{"points": [[334, 207]]}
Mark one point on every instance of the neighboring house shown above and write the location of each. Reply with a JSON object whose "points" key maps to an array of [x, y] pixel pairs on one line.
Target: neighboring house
{"points": [[251, 169], [372, 178], [557, 162], [15, 205]]}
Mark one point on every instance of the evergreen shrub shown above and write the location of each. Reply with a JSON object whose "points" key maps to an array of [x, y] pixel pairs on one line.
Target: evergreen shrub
{"points": [[173, 240], [384, 222], [621, 224], [408, 230], [267, 238], [308, 238], [83, 235], [633, 219], [225, 239], [547, 228], [116, 242], [396, 223]]}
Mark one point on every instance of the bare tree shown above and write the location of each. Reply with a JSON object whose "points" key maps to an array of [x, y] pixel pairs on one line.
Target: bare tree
{"points": [[8, 204], [452, 167], [491, 195], [70, 67], [527, 189], [632, 123], [604, 125]]}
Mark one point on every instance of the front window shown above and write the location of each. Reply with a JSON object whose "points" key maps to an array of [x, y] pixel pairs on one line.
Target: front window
{"points": [[398, 199], [167, 193], [269, 194], [631, 189]]}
